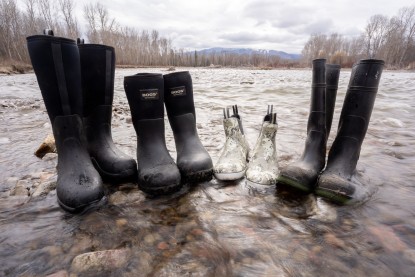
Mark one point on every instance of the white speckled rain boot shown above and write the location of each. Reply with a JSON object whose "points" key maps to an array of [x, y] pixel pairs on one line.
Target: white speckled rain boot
{"points": [[232, 162], [263, 167]]}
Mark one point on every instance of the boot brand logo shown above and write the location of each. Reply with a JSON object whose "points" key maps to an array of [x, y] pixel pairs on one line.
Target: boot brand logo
{"points": [[178, 91], [149, 94]]}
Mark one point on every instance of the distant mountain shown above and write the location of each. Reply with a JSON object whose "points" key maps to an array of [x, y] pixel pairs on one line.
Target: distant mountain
{"points": [[250, 51]]}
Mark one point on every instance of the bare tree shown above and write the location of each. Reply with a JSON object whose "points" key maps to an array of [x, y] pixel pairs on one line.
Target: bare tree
{"points": [[67, 10]]}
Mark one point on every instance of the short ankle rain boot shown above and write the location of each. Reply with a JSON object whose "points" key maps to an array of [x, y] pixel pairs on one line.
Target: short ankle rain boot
{"points": [[56, 64], [263, 167], [335, 182], [193, 160], [232, 162], [157, 172], [302, 175], [98, 70]]}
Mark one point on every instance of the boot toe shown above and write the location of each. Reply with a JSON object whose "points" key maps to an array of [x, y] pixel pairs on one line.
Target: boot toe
{"points": [[299, 177], [335, 188], [196, 168], [229, 170], [262, 177], [162, 179], [75, 194]]}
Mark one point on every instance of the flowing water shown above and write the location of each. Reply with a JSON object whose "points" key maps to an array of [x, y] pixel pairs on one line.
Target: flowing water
{"points": [[214, 228]]}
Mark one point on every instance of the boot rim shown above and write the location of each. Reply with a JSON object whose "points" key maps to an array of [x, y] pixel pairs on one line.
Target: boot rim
{"points": [[50, 38]]}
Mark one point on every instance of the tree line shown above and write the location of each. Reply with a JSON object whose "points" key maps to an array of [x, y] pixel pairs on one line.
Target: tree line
{"points": [[390, 39]]}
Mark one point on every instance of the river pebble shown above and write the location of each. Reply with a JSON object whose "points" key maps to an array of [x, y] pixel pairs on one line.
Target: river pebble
{"points": [[21, 189], [105, 260], [47, 146], [61, 273], [44, 188]]}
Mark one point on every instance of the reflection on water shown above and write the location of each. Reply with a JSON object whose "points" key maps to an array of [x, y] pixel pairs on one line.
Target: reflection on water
{"points": [[216, 229]]}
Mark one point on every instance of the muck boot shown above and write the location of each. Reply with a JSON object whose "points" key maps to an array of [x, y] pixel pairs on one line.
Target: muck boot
{"points": [[263, 167], [335, 182], [97, 70], [56, 64], [232, 162], [193, 160], [157, 172], [302, 175]]}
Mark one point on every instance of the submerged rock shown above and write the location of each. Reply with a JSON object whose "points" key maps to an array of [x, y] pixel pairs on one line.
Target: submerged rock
{"points": [[105, 260], [47, 146], [20, 189], [61, 273], [44, 188]]}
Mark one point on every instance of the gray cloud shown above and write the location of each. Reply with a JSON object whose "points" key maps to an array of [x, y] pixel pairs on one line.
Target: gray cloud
{"points": [[267, 24]]}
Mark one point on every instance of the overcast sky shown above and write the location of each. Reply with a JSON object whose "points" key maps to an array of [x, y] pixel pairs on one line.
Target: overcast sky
{"points": [[264, 24]]}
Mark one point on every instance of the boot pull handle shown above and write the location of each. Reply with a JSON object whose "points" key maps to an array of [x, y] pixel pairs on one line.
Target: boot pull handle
{"points": [[48, 32], [235, 109], [226, 112], [270, 108], [273, 118], [80, 41]]}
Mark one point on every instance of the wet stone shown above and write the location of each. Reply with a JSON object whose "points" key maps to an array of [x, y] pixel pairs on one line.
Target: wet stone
{"points": [[47, 146], [410, 255], [105, 260], [49, 156], [61, 273], [121, 222], [333, 240], [21, 189], [44, 188]]}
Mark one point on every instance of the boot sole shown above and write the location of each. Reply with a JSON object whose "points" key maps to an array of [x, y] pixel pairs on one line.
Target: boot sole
{"points": [[198, 177], [83, 208], [161, 190], [229, 176], [292, 183], [333, 196]]}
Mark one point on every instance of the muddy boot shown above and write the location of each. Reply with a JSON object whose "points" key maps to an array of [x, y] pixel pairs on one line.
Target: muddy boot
{"points": [[193, 160], [263, 167], [232, 162], [302, 175], [97, 70], [335, 182], [157, 172], [56, 64]]}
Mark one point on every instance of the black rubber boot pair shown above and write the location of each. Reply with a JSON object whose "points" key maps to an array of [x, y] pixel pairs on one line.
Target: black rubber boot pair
{"points": [[77, 89], [147, 94], [303, 174], [334, 182]]}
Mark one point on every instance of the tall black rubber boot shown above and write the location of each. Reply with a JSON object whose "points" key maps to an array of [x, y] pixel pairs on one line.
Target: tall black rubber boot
{"points": [[335, 182], [302, 175], [56, 64], [157, 172], [332, 83], [193, 160], [98, 70]]}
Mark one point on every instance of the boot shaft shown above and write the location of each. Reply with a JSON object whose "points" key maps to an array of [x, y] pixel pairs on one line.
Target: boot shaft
{"points": [[355, 116], [56, 64], [332, 82], [145, 94], [179, 94], [362, 89], [316, 120], [98, 71]]}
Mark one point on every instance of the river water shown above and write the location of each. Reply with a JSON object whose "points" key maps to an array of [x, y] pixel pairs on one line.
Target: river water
{"points": [[216, 229]]}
